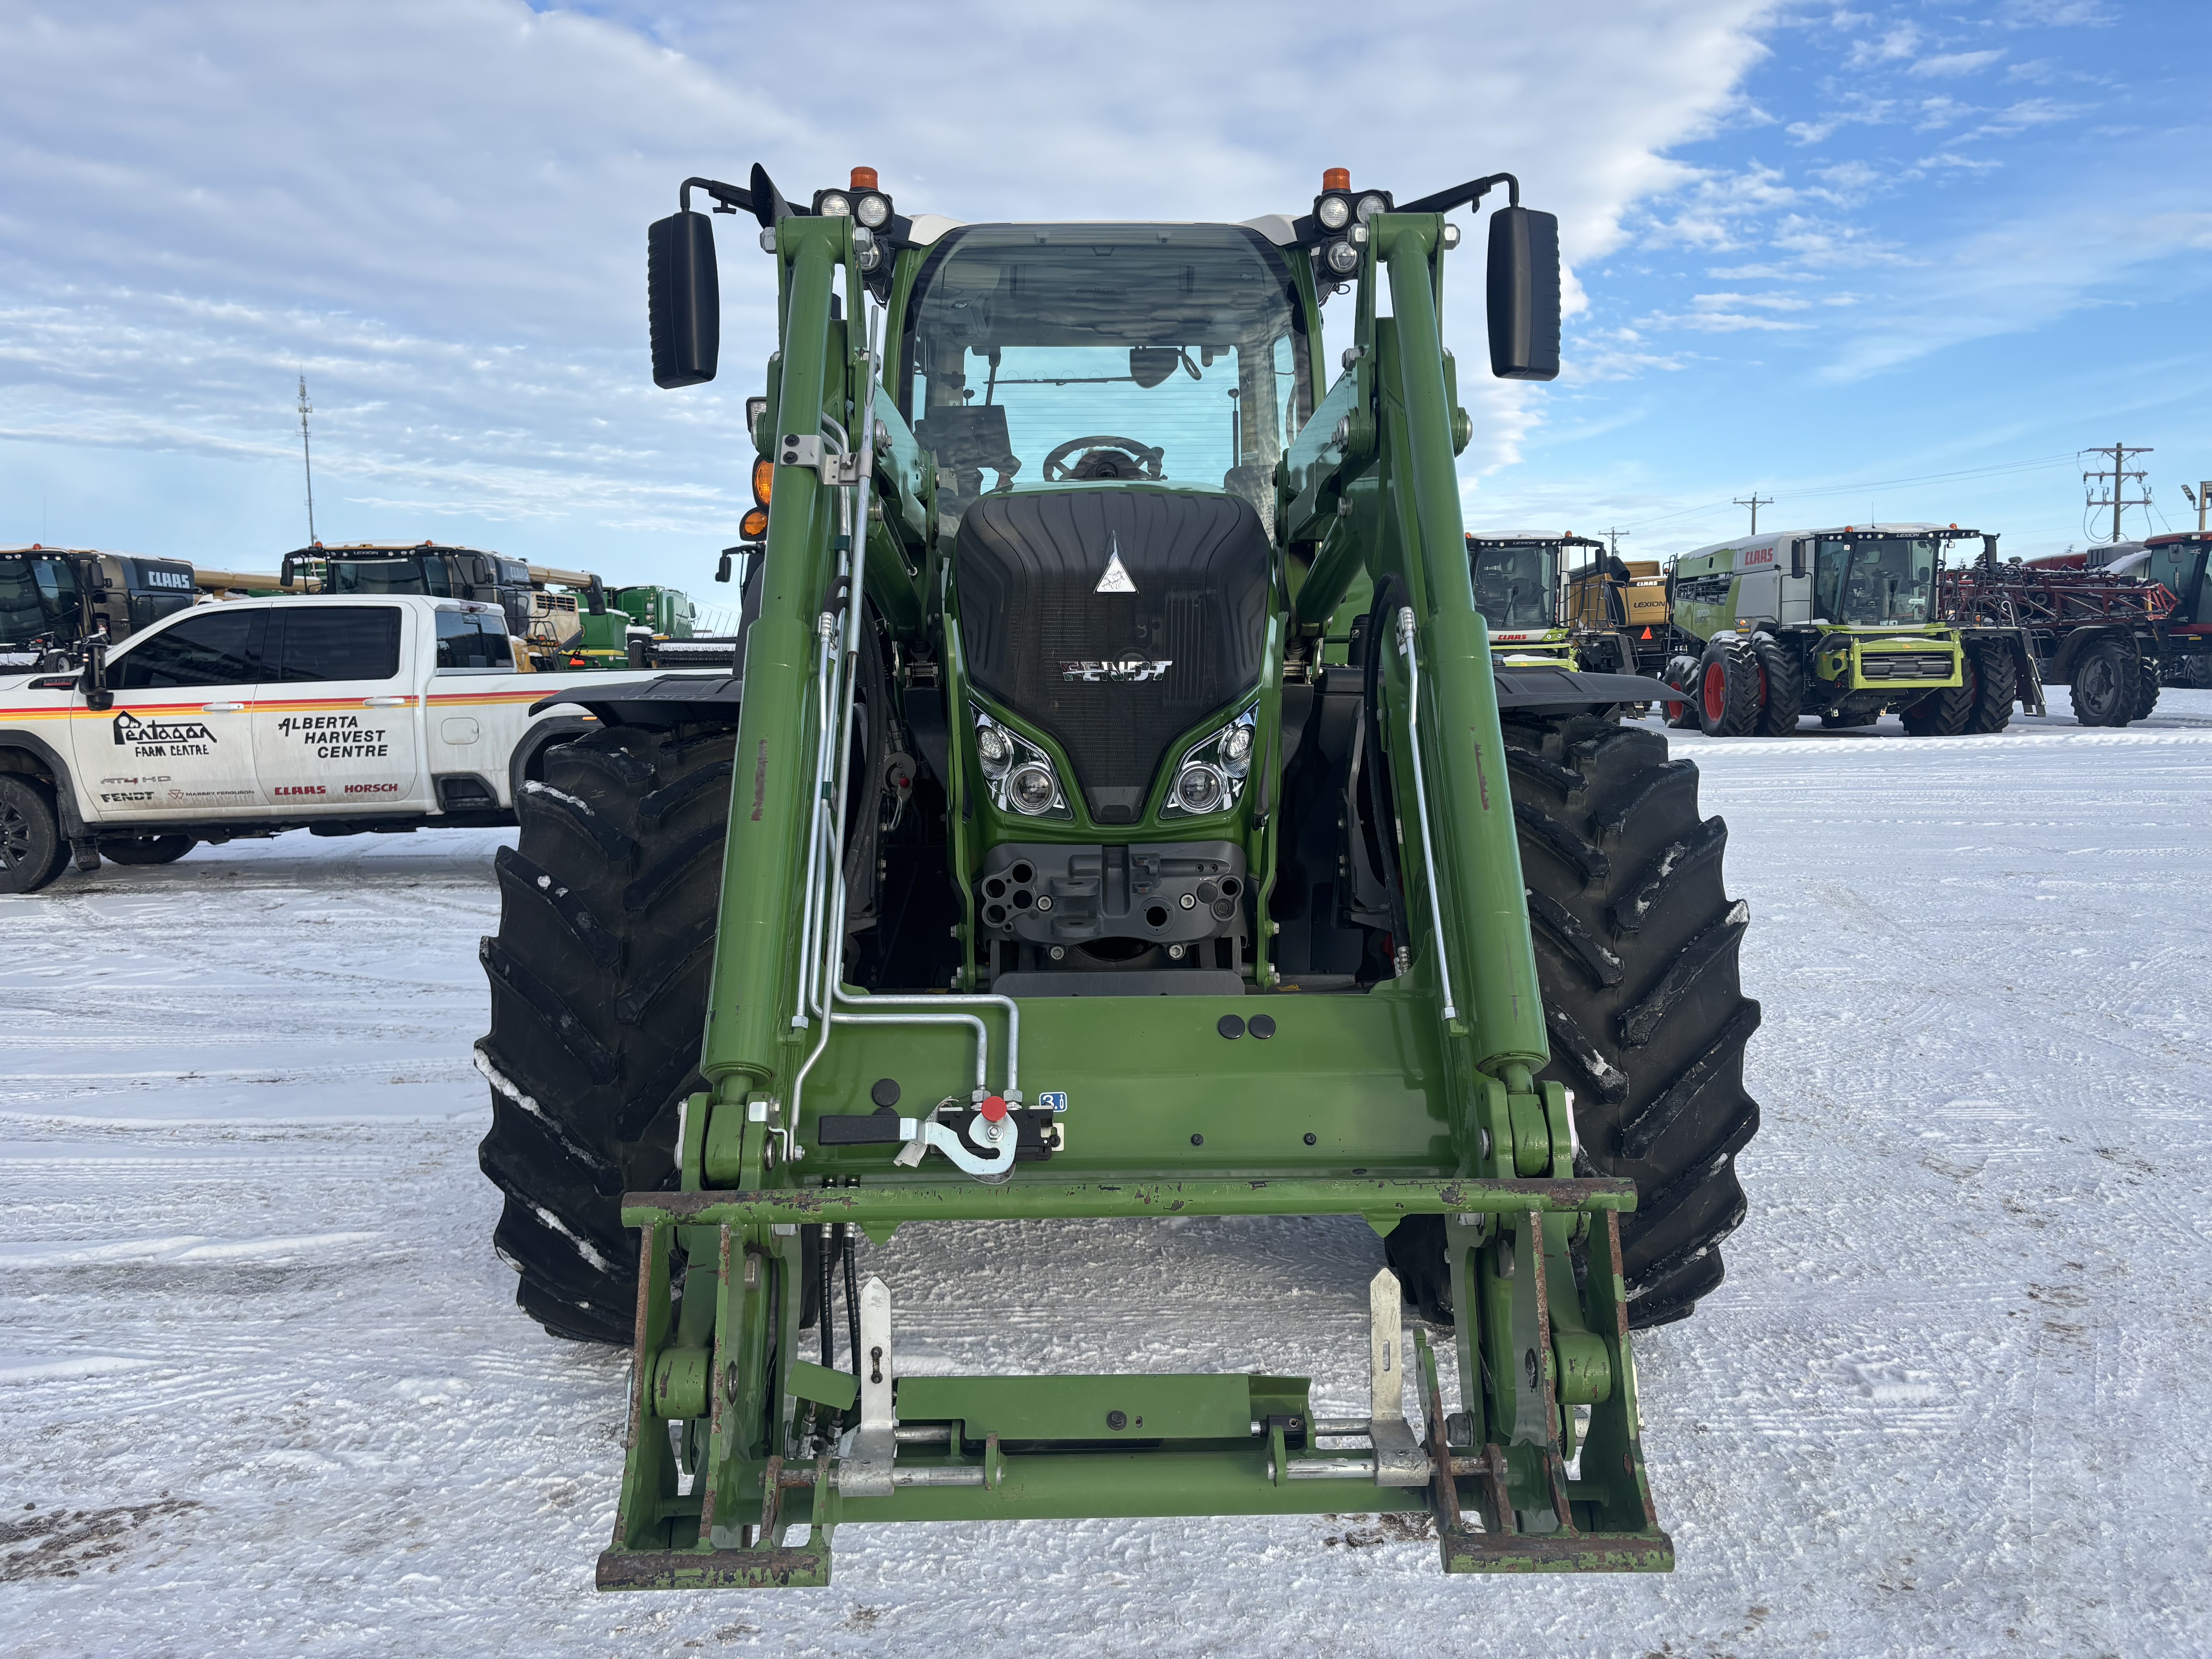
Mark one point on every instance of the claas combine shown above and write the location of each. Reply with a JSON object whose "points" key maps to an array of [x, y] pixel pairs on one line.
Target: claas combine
{"points": [[1048, 861]]}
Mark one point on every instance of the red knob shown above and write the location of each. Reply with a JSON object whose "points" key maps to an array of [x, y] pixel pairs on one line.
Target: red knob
{"points": [[993, 1109]]}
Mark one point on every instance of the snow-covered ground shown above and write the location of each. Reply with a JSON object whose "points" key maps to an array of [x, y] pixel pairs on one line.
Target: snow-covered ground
{"points": [[263, 1387]]}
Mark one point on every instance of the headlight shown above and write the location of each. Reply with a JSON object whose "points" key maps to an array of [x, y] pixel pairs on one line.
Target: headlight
{"points": [[833, 206], [1200, 789], [1212, 774], [1019, 774], [872, 210], [1030, 789], [1369, 206], [1343, 258], [1334, 212]]}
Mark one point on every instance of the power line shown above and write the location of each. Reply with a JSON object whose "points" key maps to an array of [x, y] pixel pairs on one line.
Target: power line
{"points": [[1817, 490], [2120, 472]]}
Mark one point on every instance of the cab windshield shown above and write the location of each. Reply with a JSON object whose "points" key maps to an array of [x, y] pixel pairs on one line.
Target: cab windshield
{"points": [[1875, 579], [416, 575], [1516, 585], [1048, 352]]}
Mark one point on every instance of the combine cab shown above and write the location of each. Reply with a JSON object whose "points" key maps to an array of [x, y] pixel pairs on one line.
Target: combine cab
{"points": [[55, 599], [1048, 862], [1843, 624], [1517, 588]]}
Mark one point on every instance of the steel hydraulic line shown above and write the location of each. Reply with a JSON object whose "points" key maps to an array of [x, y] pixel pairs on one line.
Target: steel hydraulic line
{"points": [[827, 628], [941, 1010], [1421, 801]]}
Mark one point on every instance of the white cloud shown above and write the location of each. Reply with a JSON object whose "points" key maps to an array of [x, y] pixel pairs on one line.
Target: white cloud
{"points": [[1892, 44], [1954, 62]]}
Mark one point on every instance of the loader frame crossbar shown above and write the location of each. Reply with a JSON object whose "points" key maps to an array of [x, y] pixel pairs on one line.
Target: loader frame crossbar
{"points": [[1418, 1097]]}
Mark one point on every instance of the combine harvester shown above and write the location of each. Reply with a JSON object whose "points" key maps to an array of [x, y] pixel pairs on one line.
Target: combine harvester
{"points": [[1047, 869], [1843, 624]]}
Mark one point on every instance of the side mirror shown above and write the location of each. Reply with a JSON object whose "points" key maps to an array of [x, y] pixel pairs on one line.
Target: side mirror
{"points": [[1524, 294], [683, 299], [595, 601], [284, 572], [1990, 552], [1797, 558], [97, 696], [722, 569]]}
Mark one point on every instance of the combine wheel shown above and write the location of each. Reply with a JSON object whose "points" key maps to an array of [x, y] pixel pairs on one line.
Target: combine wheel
{"points": [[1995, 677], [1682, 674], [599, 991], [2146, 687], [2106, 686], [1784, 681], [32, 850], [1942, 713], [1728, 691], [1635, 946]]}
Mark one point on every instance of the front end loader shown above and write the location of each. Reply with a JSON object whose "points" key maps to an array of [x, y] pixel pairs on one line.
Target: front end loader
{"points": [[1048, 861]]}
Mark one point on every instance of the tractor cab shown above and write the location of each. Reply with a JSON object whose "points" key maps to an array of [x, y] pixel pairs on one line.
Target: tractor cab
{"points": [[1517, 589], [1105, 405]]}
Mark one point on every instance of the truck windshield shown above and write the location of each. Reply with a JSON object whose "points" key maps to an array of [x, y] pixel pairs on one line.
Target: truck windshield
{"points": [[1515, 584], [403, 575], [1875, 579], [1030, 345]]}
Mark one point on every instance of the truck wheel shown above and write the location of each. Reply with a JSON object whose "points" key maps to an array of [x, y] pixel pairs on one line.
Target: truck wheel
{"points": [[598, 991], [2146, 688], [1785, 686], [1682, 675], [1995, 679], [2105, 686], [1728, 689], [1636, 949], [148, 849], [32, 850]]}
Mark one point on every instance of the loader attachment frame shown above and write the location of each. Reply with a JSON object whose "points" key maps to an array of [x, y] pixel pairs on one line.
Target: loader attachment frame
{"points": [[1416, 1097]]}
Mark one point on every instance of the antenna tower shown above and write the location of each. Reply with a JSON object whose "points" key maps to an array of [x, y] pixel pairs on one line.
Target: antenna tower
{"points": [[306, 458]]}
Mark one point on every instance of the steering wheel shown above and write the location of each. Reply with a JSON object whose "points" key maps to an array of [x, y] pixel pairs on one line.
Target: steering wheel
{"points": [[1100, 460]]}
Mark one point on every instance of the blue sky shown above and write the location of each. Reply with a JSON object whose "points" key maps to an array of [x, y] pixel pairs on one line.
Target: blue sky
{"points": [[1819, 253]]}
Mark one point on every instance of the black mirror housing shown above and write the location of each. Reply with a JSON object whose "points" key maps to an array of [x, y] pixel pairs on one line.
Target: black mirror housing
{"points": [[1524, 294], [683, 299], [1797, 558]]}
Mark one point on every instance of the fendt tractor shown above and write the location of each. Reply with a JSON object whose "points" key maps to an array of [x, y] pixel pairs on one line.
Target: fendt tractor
{"points": [[1843, 624], [1041, 865]]}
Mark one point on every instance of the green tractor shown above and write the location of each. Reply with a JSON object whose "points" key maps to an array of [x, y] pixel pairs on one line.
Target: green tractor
{"points": [[1843, 624], [1049, 862]]}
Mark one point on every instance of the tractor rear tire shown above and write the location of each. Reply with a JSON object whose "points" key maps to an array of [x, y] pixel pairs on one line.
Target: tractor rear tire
{"points": [[1995, 676], [2146, 688], [32, 850], [1784, 674], [1728, 689], [1636, 945], [148, 849], [598, 991], [2104, 685], [1943, 714]]}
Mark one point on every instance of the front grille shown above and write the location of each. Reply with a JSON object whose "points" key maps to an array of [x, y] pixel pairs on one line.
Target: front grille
{"points": [[1906, 666], [1116, 677]]}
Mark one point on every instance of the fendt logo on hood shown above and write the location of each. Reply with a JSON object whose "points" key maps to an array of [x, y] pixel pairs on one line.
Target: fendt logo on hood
{"points": [[130, 729], [1116, 579], [1120, 671]]}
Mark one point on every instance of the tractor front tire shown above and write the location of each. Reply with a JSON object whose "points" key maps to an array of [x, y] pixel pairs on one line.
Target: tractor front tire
{"points": [[2104, 684], [32, 850], [598, 989], [1728, 688], [1995, 677], [1636, 945]]}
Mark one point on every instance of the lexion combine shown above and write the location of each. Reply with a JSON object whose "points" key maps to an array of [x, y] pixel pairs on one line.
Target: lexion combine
{"points": [[1043, 863]]}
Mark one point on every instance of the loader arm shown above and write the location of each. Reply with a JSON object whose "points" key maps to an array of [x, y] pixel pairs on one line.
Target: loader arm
{"points": [[830, 1105]]}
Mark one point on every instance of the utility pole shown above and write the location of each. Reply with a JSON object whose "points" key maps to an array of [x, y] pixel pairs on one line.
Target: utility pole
{"points": [[306, 458], [2201, 499], [1754, 503], [1613, 540], [2117, 478]]}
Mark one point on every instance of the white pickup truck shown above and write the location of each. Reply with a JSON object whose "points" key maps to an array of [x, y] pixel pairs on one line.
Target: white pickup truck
{"points": [[337, 715]]}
